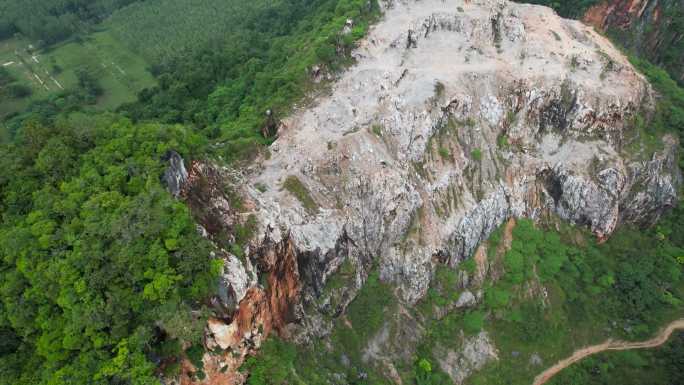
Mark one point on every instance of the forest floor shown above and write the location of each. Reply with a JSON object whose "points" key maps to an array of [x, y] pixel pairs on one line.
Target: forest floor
{"points": [[578, 355]]}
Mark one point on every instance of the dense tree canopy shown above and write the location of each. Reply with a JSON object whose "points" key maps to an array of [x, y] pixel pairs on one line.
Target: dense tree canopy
{"points": [[51, 21], [94, 251]]}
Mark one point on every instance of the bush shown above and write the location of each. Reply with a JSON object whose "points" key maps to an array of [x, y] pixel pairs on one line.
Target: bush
{"points": [[425, 375], [476, 154], [473, 322], [497, 297], [444, 153], [367, 311], [273, 365]]}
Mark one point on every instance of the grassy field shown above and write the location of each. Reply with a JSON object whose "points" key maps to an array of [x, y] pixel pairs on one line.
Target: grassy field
{"points": [[119, 72]]}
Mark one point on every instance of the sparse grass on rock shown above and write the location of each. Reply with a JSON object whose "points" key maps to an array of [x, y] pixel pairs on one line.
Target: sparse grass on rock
{"points": [[297, 188]]}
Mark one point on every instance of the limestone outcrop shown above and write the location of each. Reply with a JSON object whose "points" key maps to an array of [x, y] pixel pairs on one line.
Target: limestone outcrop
{"points": [[457, 116]]}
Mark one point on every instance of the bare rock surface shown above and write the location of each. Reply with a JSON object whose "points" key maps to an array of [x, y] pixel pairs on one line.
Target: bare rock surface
{"points": [[457, 116], [474, 354]]}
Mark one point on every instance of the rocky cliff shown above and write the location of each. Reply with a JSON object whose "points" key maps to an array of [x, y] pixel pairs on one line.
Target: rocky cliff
{"points": [[457, 116], [654, 28]]}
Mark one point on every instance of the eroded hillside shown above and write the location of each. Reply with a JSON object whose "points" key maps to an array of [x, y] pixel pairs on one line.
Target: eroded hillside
{"points": [[456, 117]]}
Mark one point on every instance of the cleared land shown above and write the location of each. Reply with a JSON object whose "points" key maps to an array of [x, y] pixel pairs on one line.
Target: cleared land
{"points": [[118, 71]]}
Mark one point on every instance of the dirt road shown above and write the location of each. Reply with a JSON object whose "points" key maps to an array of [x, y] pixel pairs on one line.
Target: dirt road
{"points": [[658, 340]]}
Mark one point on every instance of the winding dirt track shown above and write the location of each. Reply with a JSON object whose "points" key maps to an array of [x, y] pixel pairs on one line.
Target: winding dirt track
{"points": [[658, 340]]}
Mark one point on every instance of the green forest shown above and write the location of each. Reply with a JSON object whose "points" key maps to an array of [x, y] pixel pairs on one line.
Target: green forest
{"points": [[103, 274], [49, 22]]}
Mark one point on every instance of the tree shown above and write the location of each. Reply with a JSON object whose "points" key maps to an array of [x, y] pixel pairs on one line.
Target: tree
{"points": [[95, 256]]}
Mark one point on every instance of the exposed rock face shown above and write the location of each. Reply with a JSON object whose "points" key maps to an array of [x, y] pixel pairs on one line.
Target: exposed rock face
{"points": [[175, 175], [475, 353], [255, 295], [209, 202], [466, 299], [236, 279], [458, 116], [452, 122], [649, 26]]}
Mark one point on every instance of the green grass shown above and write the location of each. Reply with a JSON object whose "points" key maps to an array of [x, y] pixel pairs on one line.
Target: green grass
{"points": [[120, 73], [444, 153], [297, 188], [502, 142]]}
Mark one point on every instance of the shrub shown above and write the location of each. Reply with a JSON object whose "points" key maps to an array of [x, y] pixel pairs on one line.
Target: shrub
{"points": [[444, 152], [476, 154], [367, 311], [496, 297], [473, 322], [469, 265], [273, 365]]}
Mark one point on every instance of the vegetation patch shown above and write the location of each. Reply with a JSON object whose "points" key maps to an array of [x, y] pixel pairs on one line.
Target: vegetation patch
{"points": [[97, 66], [279, 362], [297, 188], [88, 228], [476, 154], [444, 153], [262, 58], [587, 284], [502, 142], [661, 366]]}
